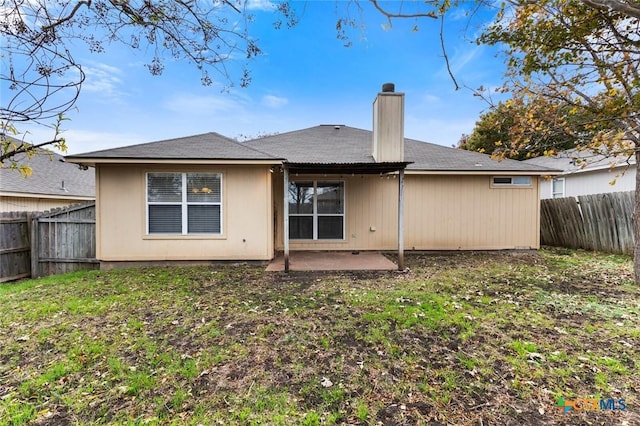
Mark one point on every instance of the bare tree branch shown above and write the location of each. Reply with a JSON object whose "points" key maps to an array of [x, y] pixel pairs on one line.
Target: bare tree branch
{"points": [[445, 55], [68, 17], [620, 6], [24, 148], [390, 15]]}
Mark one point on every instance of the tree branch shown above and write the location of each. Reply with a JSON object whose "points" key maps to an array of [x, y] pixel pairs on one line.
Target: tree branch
{"points": [[228, 3], [25, 147], [616, 5], [391, 15], [68, 17], [444, 53]]}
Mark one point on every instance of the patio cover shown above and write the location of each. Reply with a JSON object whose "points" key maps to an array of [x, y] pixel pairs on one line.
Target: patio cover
{"points": [[346, 168]]}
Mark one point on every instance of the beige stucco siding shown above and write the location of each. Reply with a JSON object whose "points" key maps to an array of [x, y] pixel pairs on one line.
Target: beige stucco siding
{"points": [[441, 213], [369, 207], [247, 220], [467, 213]]}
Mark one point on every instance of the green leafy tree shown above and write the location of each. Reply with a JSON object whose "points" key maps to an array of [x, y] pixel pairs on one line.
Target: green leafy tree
{"points": [[573, 70], [555, 128], [490, 132]]}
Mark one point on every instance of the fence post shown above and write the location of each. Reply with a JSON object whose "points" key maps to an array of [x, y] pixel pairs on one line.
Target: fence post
{"points": [[35, 251]]}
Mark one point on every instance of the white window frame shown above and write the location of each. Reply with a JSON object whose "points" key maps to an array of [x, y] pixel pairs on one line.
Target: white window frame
{"points": [[559, 194], [184, 203], [315, 213], [512, 182]]}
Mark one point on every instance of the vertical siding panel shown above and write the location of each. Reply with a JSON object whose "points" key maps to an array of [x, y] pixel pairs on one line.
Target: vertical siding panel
{"points": [[123, 217], [375, 193], [465, 212], [441, 213]]}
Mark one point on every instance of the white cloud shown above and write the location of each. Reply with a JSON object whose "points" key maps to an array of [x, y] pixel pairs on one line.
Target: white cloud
{"points": [[461, 58], [264, 5], [203, 105], [458, 14], [103, 79], [272, 101], [430, 98], [79, 141]]}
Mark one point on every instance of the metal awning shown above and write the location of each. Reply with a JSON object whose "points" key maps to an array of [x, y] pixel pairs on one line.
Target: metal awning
{"points": [[342, 168]]}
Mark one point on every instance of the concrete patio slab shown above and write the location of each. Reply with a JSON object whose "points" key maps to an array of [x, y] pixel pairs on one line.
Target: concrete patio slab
{"points": [[333, 261]]}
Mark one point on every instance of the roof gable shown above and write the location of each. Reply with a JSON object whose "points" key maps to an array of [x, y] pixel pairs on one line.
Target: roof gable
{"points": [[207, 146]]}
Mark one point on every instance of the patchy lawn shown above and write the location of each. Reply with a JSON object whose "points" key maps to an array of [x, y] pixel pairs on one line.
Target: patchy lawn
{"points": [[473, 339]]}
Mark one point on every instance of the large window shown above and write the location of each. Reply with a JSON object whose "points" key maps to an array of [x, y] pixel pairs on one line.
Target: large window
{"points": [[184, 203], [316, 210]]}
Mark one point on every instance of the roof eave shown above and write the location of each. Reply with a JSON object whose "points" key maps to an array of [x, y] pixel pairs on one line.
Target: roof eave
{"points": [[92, 161], [484, 172], [599, 168], [65, 196], [340, 168]]}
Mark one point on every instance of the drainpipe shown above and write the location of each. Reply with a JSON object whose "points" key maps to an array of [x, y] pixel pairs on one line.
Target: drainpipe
{"points": [[286, 218], [401, 220]]}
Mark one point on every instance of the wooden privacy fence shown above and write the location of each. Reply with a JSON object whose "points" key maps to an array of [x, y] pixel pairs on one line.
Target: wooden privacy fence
{"points": [[601, 222], [38, 244], [15, 247]]}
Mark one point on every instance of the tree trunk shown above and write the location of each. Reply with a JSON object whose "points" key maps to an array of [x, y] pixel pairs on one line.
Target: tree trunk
{"points": [[636, 221]]}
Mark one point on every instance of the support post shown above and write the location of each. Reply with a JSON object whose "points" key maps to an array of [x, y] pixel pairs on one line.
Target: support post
{"points": [[286, 219], [401, 220], [34, 233]]}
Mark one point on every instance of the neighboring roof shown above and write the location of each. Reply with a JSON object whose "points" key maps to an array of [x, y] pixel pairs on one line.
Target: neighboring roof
{"points": [[575, 161], [207, 146], [339, 144], [432, 157], [49, 171]]}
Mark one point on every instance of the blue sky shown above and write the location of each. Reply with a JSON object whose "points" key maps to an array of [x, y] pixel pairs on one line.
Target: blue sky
{"points": [[304, 78]]}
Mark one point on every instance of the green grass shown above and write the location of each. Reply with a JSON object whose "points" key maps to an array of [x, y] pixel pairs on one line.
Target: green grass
{"points": [[462, 339]]}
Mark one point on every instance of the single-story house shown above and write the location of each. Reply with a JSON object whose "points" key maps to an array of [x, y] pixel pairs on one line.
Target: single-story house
{"points": [[585, 173], [53, 183], [325, 188]]}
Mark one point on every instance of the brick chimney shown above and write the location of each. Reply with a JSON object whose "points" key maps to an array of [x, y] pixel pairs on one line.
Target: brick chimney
{"points": [[388, 125]]}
